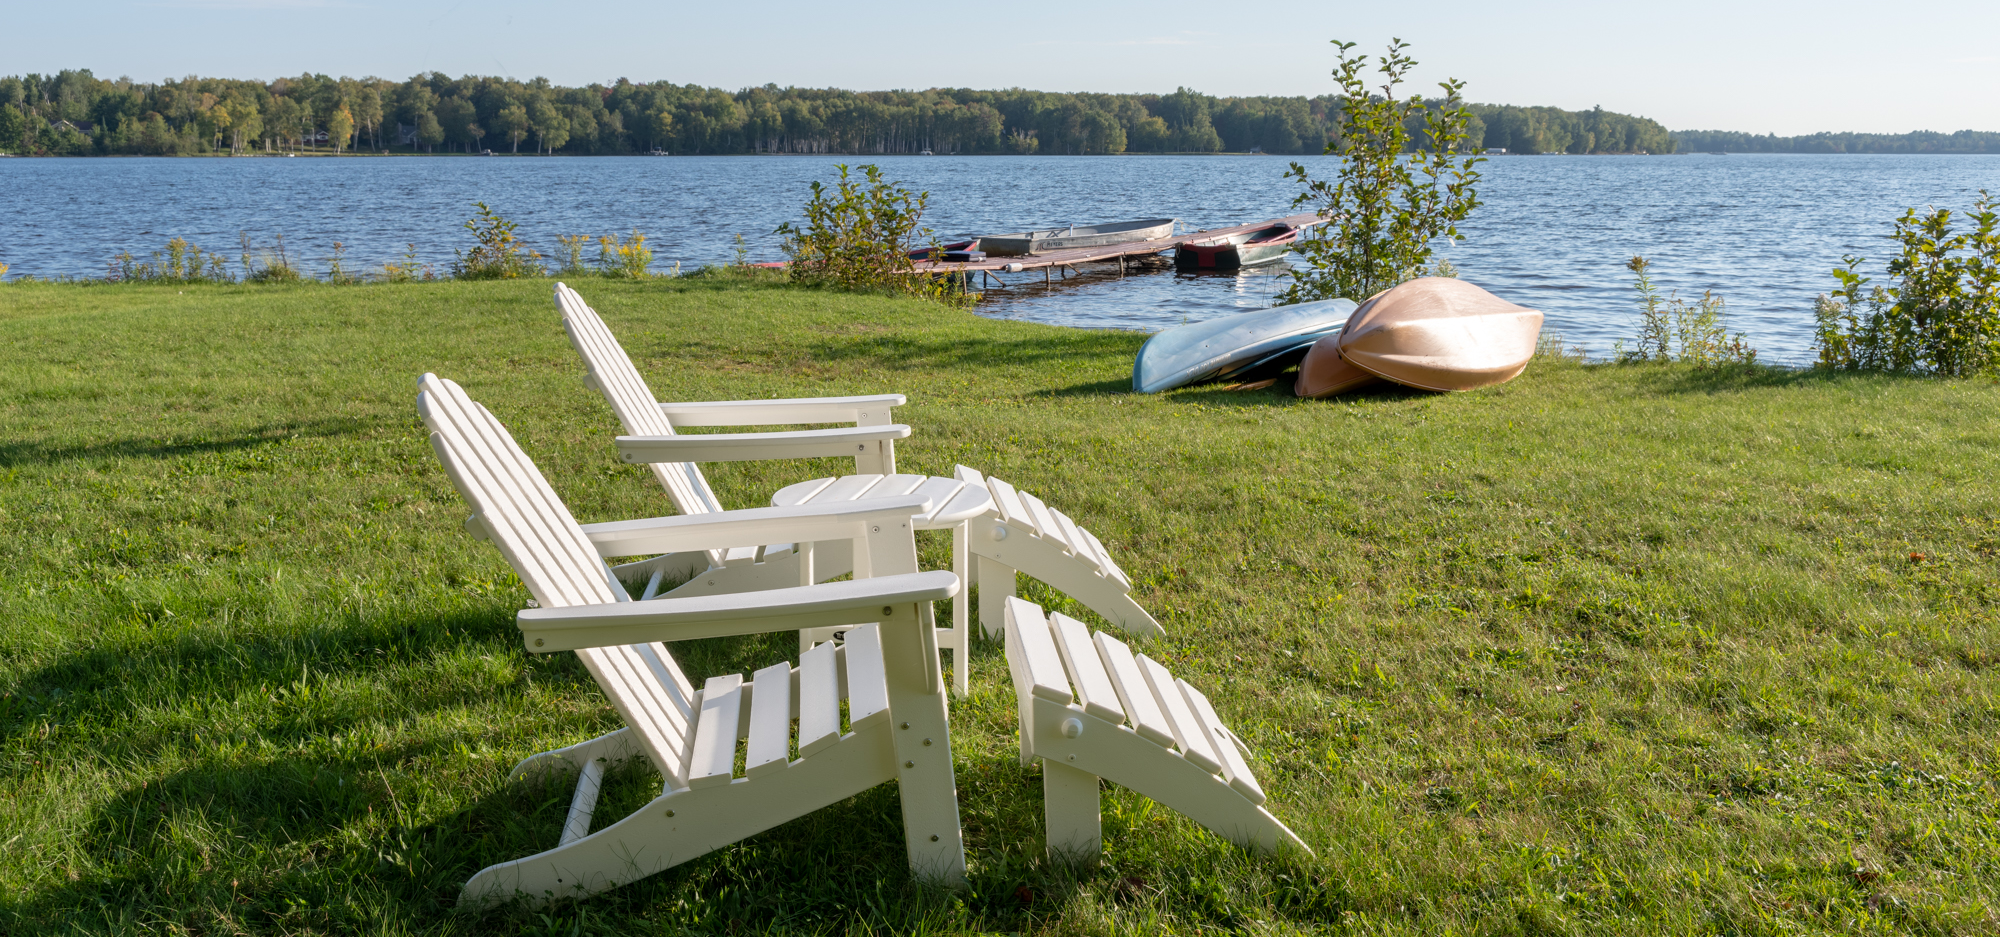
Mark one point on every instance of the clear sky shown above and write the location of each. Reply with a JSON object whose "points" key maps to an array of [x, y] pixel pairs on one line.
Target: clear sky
{"points": [[1765, 67]]}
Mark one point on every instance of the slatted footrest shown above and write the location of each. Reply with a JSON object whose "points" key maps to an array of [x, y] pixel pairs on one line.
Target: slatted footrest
{"points": [[1090, 708]]}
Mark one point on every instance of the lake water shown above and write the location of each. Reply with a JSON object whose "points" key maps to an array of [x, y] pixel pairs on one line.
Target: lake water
{"points": [[1554, 234]]}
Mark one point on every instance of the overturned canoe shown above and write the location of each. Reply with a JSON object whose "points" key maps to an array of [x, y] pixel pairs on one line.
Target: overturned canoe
{"points": [[1434, 333], [1057, 239], [1243, 346]]}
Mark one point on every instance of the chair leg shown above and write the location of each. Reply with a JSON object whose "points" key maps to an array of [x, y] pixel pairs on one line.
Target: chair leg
{"points": [[961, 610], [687, 823], [921, 733], [996, 586], [1070, 814]]}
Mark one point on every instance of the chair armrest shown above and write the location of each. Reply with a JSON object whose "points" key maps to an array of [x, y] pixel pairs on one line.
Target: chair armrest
{"points": [[842, 520], [750, 447], [869, 410], [829, 604]]}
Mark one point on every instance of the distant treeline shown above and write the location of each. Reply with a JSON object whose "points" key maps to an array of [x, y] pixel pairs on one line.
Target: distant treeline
{"points": [[1922, 141], [76, 113]]}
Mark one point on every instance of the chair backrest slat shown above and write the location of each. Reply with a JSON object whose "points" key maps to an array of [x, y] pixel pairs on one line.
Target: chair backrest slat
{"points": [[637, 408], [541, 540]]}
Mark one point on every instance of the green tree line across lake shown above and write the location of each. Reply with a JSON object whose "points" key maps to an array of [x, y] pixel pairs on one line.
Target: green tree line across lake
{"points": [[74, 113], [1921, 141]]}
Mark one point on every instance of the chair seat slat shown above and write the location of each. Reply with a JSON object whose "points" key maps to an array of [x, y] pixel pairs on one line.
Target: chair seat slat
{"points": [[1009, 502], [819, 700], [867, 683], [770, 721], [713, 759]]}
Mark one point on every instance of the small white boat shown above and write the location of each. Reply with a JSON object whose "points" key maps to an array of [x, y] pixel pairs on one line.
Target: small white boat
{"points": [[1433, 333], [1243, 347], [1056, 239]]}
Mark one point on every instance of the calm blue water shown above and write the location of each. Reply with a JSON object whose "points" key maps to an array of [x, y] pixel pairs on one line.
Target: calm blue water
{"points": [[1554, 233]]}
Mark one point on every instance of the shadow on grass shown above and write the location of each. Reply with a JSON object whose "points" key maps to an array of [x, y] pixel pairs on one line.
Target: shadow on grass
{"points": [[32, 452], [1686, 379]]}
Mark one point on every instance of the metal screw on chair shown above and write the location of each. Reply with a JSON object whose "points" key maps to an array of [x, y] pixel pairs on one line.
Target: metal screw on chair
{"points": [[934, 837], [538, 642], [912, 764], [927, 741], [906, 725], [670, 813], [886, 610]]}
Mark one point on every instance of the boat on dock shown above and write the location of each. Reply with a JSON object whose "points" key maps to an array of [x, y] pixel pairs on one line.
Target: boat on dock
{"points": [[1235, 251], [1433, 333], [1023, 243], [1242, 347]]}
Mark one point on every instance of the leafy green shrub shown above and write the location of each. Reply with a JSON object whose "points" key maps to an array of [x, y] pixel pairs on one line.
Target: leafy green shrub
{"points": [[1385, 208], [1942, 316], [628, 258], [1673, 329], [499, 254], [859, 236], [181, 262]]}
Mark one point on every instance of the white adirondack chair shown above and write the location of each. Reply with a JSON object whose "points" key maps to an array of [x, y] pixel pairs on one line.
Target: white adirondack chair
{"points": [[886, 673], [1090, 708], [1005, 530]]}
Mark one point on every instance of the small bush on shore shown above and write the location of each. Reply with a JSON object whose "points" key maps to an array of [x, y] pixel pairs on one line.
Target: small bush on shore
{"points": [[499, 255], [1941, 316], [859, 236]]}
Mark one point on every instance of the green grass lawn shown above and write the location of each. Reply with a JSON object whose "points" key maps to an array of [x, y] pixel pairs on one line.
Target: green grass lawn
{"points": [[1608, 649]]}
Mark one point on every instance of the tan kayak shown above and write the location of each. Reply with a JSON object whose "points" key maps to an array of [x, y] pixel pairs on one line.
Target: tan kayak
{"points": [[1434, 333]]}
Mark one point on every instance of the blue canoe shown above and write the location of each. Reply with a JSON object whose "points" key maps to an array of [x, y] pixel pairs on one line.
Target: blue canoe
{"points": [[1242, 346]]}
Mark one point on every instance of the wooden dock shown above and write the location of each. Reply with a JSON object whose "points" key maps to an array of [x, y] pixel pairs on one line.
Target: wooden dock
{"points": [[1066, 260]]}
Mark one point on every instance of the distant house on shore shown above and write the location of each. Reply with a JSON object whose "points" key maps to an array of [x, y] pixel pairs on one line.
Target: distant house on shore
{"points": [[80, 126]]}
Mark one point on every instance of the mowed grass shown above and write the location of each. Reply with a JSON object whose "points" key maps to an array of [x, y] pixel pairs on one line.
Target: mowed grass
{"points": [[1610, 649]]}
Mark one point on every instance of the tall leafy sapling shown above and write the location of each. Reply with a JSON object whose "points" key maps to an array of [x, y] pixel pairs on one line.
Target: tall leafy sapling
{"points": [[1393, 197]]}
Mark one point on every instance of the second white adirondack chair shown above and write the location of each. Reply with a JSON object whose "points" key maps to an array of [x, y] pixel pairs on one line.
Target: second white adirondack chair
{"points": [[996, 529], [885, 676], [1090, 709]]}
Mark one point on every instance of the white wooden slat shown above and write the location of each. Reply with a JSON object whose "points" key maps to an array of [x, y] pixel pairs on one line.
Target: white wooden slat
{"points": [[1135, 696], [800, 493], [1110, 564], [1233, 768], [1028, 635], [968, 475], [668, 672], [549, 516], [471, 460], [970, 502], [892, 485], [1073, 535], [770, 746], [736, 556], [819, 700], [940, 491], [846, 488], [712, 761], [665, 751], [867, 682], [1045, 523], [638, 696], [1086, 671], [1189, 733], [1009, 502]]}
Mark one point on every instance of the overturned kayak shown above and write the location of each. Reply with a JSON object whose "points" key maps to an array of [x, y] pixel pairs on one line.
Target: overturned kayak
{"points": [[1243, 346], [1434, 333]]}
